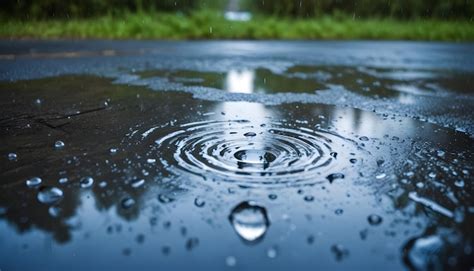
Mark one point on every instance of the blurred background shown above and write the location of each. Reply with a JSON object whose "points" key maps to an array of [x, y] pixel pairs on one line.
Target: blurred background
{"points": [[239, 19]]}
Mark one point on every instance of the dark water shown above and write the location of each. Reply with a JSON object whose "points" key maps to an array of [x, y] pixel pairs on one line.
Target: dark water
{"points": [[162, 180]]}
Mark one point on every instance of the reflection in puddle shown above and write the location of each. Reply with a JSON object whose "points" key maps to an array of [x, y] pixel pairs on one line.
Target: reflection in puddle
{"points": [[186, 173]]}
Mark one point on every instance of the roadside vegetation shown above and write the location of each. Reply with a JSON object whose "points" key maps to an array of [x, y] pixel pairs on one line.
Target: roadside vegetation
{"points": [[306, 19]]}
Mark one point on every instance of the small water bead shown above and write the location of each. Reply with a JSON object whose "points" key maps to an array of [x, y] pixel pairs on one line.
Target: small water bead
{"points": [[249, 220], [364, 138], [459, 183], [63, 180], [230, 261], [272, 252], [272, 196], [310, 239], [164, 198], [381, 176], [353, 160], [333, 154], [192, 243], [339, 211], [34, 182], [49, 195], [127, 203], [54, 211], [250, 134], [59, 144], [12, 156], [199, 202], [420, 185], [151, 161], [334, 176], [102, 184], [86, 182], [374, 219], [339, 251], [308, 198], [113, 150], [137, 183]]}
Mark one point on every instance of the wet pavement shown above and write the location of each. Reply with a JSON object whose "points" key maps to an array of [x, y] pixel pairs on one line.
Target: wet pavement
{"points": [[236, 155]]}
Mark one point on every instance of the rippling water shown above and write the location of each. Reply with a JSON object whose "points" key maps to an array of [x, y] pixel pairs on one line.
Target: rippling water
{"points": [[164, 180]]}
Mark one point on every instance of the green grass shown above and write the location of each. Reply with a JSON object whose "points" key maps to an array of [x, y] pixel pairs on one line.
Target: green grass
{"points": [[212, 25]]}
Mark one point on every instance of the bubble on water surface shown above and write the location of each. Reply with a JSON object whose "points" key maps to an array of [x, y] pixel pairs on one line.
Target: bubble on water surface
{"points": [[33, 182], [86, 182], [281, 155], [49, 195], [249, 220]]}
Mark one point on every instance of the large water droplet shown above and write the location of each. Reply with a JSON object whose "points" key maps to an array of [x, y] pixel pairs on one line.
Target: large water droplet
{"points": [[12, 156], [86, 182], [374, 219], [424, 253], [33, 182], [59, 144], [50, 195], [249, 220]]}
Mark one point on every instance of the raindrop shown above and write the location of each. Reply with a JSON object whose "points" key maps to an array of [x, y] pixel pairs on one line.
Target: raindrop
{"points": [[59, 144], [272, 252], [308, 198], [340, 252], [249, 220], [272, 196], [334, 176], [127, 203], [49, 195], [250, 134], [339, 211], [63, 180], [192, 243], [374, 220], [199, 202], [54, 211], [230, 261], [137, 183], [164, 198], [459, 183], [33, 182], [12, 156], [364, 138], [86, 182]]}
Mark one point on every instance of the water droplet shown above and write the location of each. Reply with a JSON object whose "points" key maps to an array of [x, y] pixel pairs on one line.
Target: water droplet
{"points": [[128, 203], [424, 253], [333, 154], [49, 195], [440, 153], [151, 161], [364, 138], [272, 252], [230, 261], [353, 160], [164, 198], [272, 196], [33, 182], [199, 202], [38, 101], [137, 183], [12, 156], [340, 252], [63, 180], [310, 239], [102, 184], [339, 211], [334, 176], [380, 176], [59, 144], [459, 183], [86, 182], [54, 211], [192, 243], [113, 150], [250, 134], [420, 185], [374, 220], [249, 220], [308, 198]]}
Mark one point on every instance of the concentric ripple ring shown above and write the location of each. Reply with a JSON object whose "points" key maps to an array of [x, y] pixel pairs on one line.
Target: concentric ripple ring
{"points": [[253, 154]]}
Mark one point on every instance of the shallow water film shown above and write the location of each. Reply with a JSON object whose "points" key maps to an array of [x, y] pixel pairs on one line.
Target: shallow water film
{"points": [[243, 155]]}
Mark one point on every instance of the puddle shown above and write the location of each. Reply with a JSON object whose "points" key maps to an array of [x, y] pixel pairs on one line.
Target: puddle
{"points": [[155, 177]]}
